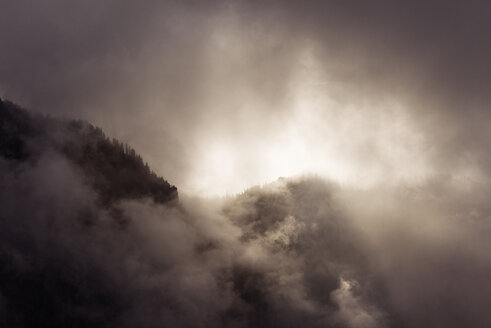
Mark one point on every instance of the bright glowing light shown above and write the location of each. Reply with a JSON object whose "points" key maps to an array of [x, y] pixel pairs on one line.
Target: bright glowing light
{"points": [[349, 141]]}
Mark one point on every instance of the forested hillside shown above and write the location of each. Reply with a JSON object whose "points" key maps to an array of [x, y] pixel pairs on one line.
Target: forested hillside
{"points": [[112, 168]]}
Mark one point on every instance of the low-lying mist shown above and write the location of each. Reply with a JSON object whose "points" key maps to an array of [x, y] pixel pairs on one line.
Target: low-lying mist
{"points": [[300, 251]]}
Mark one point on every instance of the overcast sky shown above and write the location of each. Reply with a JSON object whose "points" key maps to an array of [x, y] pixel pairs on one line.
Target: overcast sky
{"points": [[221, 95]]}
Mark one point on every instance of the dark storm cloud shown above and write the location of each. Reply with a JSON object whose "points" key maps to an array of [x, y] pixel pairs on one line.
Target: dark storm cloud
{"points": [[443, 44]]}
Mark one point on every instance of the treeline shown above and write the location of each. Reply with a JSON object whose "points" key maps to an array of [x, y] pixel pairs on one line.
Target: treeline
{"points": [[113, 168]]}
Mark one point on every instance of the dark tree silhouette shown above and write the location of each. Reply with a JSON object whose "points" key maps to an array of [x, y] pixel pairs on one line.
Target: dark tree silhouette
{"points": [[113, 168]]}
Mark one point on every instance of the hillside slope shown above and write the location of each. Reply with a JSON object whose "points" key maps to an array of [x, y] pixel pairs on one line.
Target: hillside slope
{"points": [[111, 167]]}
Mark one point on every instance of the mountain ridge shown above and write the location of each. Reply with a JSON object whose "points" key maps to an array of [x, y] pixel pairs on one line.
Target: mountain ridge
{"points": [[113, 168]]}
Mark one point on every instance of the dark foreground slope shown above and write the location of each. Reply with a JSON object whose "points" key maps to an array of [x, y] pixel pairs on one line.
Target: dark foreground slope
{"points": [[62, 183]]}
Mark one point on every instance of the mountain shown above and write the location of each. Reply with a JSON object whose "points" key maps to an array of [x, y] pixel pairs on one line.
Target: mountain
{"points": [[91, 237], [112, 168]]}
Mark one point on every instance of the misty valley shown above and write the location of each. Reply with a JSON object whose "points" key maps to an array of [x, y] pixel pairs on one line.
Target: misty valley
{"points": [[90, 236]]}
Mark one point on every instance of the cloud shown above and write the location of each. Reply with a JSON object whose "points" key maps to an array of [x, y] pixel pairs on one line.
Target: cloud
{"points": [[248, 85], [351, 311], [301, 251]]}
